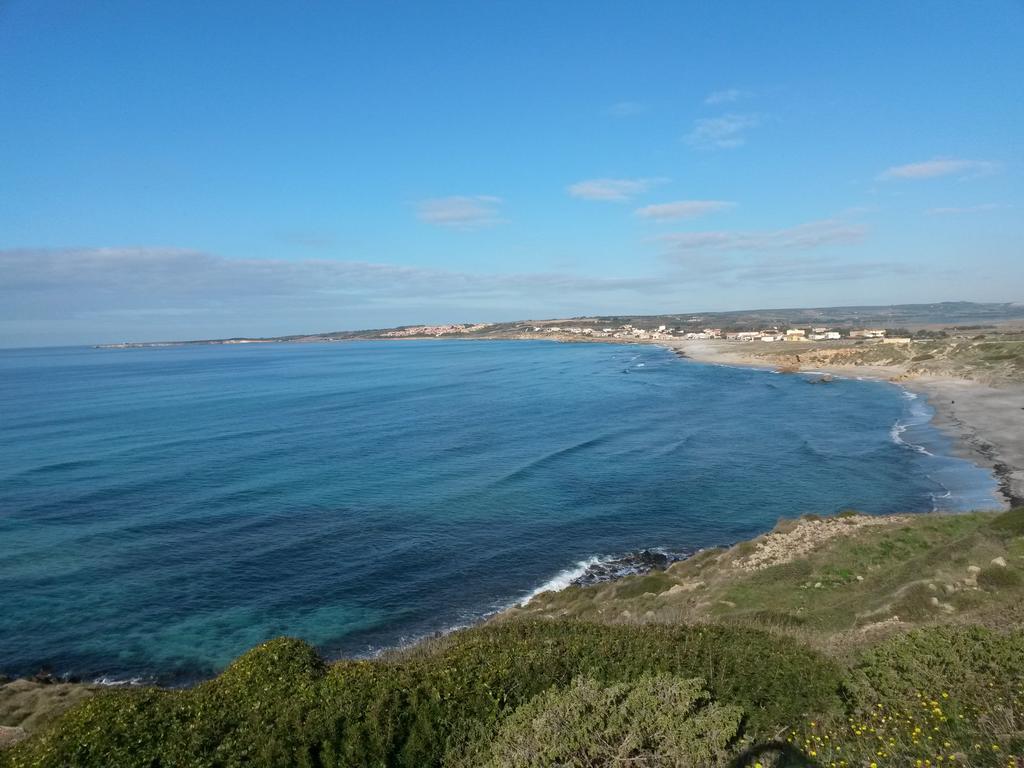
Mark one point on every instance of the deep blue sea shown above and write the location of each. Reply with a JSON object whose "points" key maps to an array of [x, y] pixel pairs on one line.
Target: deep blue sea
{"points": [[162, 510]]}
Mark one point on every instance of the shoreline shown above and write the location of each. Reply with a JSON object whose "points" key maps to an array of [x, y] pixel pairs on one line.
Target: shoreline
{"points": [[985, 423]]}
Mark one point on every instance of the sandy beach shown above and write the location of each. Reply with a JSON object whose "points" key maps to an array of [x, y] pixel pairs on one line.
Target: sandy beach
{"points": [[986, 421]]}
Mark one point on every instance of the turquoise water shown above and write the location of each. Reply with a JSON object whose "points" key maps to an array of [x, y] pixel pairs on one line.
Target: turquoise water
{"points": [[162, 510]]}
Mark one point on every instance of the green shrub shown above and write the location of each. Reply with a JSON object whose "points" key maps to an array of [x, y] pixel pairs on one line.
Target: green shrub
{"points": [[994, 578], [744, 549], [915, 604], [932, 692], [279, 705], [967, 662], [636, 586], [656, 720], [1010, 522]]}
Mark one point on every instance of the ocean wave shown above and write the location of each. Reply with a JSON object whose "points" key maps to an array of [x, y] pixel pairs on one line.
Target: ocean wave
{"points": [[600, 568], [119, 682], [896, 434], [540, 461]]}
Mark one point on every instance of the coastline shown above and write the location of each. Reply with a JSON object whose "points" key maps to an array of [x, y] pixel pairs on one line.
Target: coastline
{"points": [[986, 423], [974, 414]]}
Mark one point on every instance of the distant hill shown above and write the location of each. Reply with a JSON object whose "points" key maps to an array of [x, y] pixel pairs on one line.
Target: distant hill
{"points": [[948, 313]]}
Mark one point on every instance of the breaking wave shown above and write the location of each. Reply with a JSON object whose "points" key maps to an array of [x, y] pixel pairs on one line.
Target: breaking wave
{"points": [[600, 568]]}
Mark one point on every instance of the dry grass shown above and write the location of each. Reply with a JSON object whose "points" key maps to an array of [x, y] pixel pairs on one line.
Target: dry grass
{"points": [[841, 582]]}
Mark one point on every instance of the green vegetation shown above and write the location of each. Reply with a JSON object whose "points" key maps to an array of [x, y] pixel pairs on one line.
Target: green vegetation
{"points": [[860, 580], [946, 696], [657, 720], [280, 705], [845, 641]]}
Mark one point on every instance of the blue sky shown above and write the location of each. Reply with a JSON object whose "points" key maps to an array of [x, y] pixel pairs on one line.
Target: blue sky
{"points": [[190, 169]]}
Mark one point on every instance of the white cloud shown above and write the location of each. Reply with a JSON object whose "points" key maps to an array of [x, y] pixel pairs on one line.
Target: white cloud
{"points": [[725, 132], [626, 109], [612, 189], [168, 279], [935, 168], [815, 270], [802, 237], [726, 96], [956, 211], [460, 211], [682, 209]]}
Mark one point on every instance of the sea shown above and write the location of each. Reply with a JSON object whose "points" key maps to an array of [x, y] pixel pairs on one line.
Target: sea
{"points": [[164, 509]]}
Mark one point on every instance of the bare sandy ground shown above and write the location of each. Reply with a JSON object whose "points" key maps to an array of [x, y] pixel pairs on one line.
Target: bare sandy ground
{"points": [[987, 422]]}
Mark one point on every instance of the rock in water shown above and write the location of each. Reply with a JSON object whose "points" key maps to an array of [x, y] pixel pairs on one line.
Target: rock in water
{"points": [[612, 568]]}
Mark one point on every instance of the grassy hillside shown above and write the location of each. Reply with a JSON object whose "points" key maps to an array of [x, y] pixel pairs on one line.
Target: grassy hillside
{"points": [[993, 358], [802, 665], [831, 582]]}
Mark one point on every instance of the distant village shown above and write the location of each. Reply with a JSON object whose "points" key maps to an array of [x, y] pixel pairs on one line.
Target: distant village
{"points": [[661, 332], [433, 330], [563, 331]]}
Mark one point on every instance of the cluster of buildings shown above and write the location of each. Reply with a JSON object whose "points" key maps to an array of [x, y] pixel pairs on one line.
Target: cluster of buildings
{"points": [[803, 334], [662, 332], [628, 331], [433, 330]]}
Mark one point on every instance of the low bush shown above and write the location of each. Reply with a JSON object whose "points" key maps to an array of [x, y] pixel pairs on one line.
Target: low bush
{"points": [[1010, 522], [995, 578], [280, 705], [943, 695], [658, 720]]}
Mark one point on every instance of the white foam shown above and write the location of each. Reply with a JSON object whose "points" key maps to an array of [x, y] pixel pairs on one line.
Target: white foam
{"points": [[896, 433], [563, 579], [115, 682]]}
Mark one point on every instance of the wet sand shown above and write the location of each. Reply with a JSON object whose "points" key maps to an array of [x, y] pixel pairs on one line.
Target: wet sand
{"points": [[988, 422]]}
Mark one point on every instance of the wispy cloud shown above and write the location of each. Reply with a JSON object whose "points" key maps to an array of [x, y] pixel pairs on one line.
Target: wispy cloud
{"points": [[626, 109], [178, 280], [802, 237], [682, 209], [815, 270], [786, 256], [615, 190], [938, 167], [957, 211], [726, 96], [460, 211], [724, 132]]}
